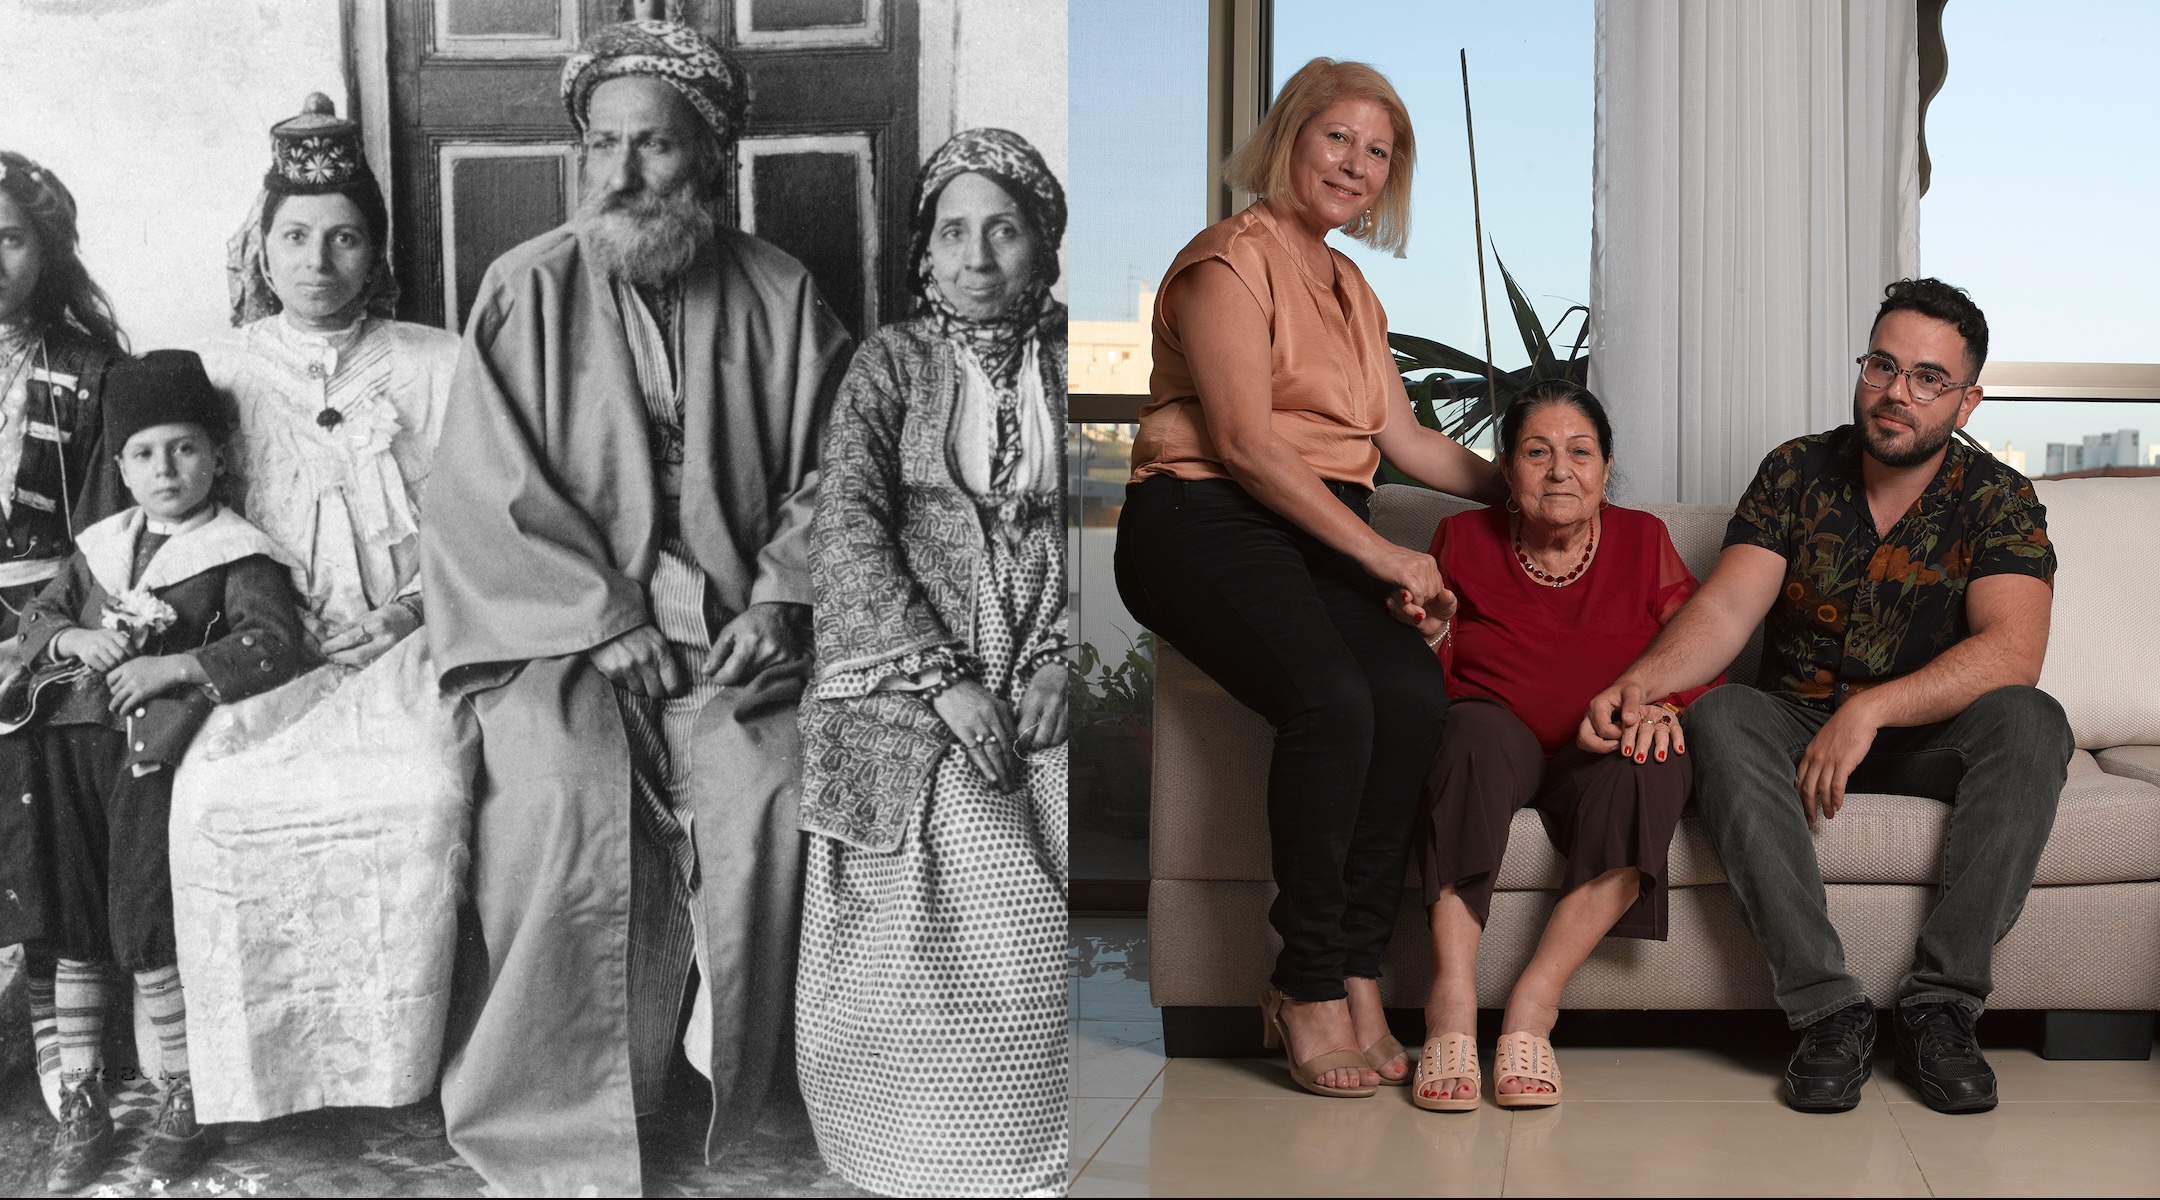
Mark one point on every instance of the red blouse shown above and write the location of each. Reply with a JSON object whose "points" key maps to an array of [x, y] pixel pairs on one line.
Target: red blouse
{"points": [[1544, 652]]}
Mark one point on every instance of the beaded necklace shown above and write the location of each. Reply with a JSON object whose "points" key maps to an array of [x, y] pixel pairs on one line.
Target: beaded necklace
{"points": [[1548, 579]]}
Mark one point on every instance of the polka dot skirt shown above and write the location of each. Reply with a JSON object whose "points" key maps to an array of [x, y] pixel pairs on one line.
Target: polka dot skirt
{"points": [[931, 998]]}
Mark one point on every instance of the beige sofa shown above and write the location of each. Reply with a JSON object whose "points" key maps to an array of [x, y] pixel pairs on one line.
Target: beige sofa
{"points": [[2088, 944]]}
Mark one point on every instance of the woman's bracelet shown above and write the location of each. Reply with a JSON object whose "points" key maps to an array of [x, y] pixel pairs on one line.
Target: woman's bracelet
{"points": [[1446, 627], [948, 679]]}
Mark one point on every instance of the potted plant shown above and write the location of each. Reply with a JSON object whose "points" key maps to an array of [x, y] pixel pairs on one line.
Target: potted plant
{"points": [[1113, 723]]}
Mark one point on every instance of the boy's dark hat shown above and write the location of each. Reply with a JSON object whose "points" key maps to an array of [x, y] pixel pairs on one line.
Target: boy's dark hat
{"points": [[163, 387]]}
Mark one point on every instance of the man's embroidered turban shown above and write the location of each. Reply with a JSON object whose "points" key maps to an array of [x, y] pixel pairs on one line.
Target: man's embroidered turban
{"points": [[674, 54]]}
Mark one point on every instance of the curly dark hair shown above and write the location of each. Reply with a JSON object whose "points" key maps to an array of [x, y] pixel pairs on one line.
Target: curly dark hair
{"points": [[1932, 297], [66, 298]]}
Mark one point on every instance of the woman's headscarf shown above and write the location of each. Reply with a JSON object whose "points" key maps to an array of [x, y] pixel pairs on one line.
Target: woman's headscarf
{"points": [[316, 153], [1006, 159]]}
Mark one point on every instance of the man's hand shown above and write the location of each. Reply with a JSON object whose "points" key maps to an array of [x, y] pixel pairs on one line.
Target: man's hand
{"points": [[1837, 748], [1042, 709], [765, 634], [101, 650], [641, 662], [1613, 716], [140, 679], [985, 730], [370, 637]]}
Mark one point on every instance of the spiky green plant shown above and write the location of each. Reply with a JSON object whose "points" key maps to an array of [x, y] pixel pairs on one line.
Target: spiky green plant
{"points": [[1448, 389]]}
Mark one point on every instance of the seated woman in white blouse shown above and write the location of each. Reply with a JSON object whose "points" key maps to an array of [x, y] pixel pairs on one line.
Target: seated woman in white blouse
{"points": [[319, 830]]}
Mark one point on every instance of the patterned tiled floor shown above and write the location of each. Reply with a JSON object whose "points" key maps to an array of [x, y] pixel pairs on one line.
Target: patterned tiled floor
{"points": [[401, 1152], [1667, 1120]]}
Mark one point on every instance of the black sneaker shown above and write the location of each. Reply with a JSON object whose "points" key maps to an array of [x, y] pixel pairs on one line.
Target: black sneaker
{"points": [[176, 1145], [1831, 1065], [84, 1142], [1939, 1056]]}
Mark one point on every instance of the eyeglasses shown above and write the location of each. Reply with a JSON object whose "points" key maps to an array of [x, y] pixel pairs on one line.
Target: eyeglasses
{"points": [[1879, 371]]}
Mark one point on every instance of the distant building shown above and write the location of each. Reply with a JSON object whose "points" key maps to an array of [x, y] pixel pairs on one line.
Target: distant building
{"points": [[1113, 357], [2118, 449]]}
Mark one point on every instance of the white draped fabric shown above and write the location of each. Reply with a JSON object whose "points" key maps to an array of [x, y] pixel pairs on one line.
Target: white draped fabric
{"points": [[1756, 184]]}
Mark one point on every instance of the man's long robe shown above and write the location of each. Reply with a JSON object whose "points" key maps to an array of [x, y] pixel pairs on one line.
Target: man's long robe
{"points": [[541, 533]]}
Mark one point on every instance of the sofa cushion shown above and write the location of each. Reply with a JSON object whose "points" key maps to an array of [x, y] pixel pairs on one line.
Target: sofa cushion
{"points": [[2103, 658], [2132, 762], [1210, 812]]}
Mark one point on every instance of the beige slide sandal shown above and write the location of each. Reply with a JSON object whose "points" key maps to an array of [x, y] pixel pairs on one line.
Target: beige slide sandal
{"points": [[1525, 1056], [1449, 1056]]}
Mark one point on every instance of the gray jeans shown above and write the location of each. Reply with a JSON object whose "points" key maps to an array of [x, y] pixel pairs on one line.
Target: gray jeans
{"points": [[2000, 764]]}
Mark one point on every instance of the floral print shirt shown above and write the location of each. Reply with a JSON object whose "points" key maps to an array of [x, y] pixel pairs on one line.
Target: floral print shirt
{"points": [[1860, 609]]}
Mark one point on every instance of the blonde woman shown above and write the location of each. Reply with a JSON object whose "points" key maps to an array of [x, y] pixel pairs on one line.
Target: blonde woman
{"points": [[1246, 540]]}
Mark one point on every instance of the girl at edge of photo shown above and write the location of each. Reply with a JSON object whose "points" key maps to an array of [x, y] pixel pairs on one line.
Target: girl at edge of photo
{"points": [[57, 338]]}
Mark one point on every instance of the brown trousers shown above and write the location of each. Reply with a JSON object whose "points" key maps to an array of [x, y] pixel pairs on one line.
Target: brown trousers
{"points": [[1601, 811]]}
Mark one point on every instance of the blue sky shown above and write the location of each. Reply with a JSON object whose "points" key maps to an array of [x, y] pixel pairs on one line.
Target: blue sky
{"points": [[2045, 201]]}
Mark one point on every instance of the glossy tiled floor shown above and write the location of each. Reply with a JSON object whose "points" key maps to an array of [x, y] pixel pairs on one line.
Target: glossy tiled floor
{"points": [[1636, 1122]]}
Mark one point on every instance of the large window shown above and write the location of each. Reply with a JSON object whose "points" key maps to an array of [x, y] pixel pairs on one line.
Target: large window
{"points": [[2041, 205], [1140, 182]]}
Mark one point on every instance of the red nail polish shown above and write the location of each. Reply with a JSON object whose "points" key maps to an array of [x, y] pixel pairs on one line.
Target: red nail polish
{"points": [[1661, 756]]}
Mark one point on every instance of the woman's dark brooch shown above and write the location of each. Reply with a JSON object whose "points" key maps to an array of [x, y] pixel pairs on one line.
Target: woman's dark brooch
{"points": [[329, 418]]}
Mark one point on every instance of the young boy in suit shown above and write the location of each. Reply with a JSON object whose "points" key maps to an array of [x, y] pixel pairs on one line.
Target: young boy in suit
{"points": [[167, 608]]}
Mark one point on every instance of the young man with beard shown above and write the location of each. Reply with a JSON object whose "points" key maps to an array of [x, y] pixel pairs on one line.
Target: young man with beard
{"points": [[617, 577], [1907, 579]]}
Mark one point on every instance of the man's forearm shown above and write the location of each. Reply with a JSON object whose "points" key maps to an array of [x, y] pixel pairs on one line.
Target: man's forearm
{"points": [[1948, 686], [1701, 640]]}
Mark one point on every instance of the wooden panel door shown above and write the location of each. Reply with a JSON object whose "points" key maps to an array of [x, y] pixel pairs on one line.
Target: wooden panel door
{"points": [[484, 158]]}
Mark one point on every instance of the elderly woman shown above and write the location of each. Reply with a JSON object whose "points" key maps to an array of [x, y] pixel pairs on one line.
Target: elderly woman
{"points": [[318, 830], [57, 336], [931, 1017], [1556, 592], [1246, 541]]}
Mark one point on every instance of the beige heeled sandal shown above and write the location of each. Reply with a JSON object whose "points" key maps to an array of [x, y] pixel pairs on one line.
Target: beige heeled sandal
{"points": [[1383, 1052], [1307, 1074], [1449, 1056], [1525, 1056]]}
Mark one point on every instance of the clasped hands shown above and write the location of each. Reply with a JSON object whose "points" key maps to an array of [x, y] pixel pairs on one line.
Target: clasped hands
{"points": [[1617, 719], [763, 635], [1419, 597], [131, 677], [984, 724]]}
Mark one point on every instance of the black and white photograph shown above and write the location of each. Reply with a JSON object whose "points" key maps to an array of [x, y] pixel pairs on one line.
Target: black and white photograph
{"points": [[533, 639]]}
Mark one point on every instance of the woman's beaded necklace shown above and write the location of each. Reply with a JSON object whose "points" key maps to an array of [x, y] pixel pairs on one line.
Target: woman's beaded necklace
{"points": [[1547, 578]]}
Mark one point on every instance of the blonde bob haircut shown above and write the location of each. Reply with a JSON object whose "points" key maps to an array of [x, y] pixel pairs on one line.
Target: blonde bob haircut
{"points": [[1262, 164]]}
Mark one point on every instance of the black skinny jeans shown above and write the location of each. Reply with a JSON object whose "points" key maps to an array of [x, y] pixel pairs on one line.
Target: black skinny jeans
{"points": [[1301, 635]]}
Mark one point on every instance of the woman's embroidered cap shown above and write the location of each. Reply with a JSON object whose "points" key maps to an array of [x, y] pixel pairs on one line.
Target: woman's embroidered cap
{"points": [[163, 387], [317, 151], [672, 53]]}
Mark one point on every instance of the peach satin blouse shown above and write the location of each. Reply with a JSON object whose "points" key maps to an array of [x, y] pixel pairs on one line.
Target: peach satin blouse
{"points": [[1330, 358]]}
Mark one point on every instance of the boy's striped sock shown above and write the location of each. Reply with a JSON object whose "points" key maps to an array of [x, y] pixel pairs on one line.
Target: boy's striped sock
{"points": [[79, 1014], [164, 1002]]}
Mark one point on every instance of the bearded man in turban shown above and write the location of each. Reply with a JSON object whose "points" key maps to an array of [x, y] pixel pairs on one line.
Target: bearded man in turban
{"points": [[616, 565]]}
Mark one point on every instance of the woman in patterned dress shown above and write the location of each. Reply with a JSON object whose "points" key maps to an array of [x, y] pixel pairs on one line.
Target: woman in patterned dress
{"points": [[318, 832], [930, 1008]]}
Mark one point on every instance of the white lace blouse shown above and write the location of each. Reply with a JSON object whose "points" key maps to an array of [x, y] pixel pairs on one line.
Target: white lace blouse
{"points": [[334, 439]]}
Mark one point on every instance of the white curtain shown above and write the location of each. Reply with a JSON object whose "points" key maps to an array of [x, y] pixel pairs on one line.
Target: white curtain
{"points": [[1756, 185]]}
